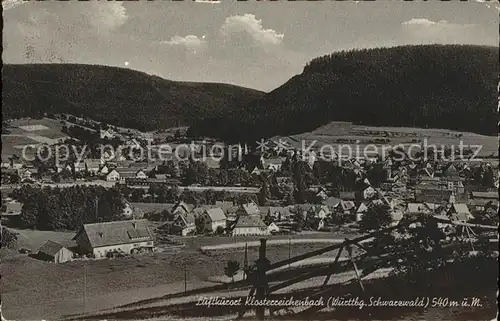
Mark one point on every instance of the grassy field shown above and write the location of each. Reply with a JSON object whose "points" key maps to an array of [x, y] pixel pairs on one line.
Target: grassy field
{"points": [[333, 134], [30, 131], [34, 289]]}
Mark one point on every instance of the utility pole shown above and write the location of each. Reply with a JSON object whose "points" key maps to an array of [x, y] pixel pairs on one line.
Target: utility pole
{"points": [[96, 209], [185, 278], [245, 262], [85, 287], [289, 250]]}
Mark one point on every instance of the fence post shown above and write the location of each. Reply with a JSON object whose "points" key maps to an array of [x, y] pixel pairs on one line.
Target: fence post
{"points": [[261, 281]]}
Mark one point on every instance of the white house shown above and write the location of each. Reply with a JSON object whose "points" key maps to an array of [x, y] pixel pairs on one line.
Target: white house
{"points": [[214, 218], [273, 228], [104, 170], [125, 236], [250, 225], [113, 175], [369, 193]]}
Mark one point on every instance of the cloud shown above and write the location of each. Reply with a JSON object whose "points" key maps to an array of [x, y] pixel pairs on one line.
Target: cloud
{"points": [[440, 31], [191, 42], [250, 25], [59, 31], [108, 16]]}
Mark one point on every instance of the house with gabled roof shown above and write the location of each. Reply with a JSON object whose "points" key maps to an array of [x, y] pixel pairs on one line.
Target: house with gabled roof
{"points": [[279, 213], [182, 208], [456, 212], [54, 252], [250, 208], [99, 239], [184, 223], [214, 218], [250, 225], [92, 165]]}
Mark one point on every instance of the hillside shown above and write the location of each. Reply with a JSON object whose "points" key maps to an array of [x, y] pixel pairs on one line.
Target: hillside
{"points": [[431, 86], [117, 96]]}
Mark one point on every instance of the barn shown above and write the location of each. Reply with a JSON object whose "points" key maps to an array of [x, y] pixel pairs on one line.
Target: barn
{"points": [[54, 252], [99, 239]]}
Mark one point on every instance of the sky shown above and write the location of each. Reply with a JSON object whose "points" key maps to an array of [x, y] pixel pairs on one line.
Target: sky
{"points": [[253, 44]]}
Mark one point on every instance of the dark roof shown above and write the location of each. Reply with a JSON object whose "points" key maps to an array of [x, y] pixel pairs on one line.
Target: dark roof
{"points": [[432, 195], [117, 232], [50, 248], [188, 218], [482, 202], [347, 195], [249, 221], [285, 211], [487, 195]]}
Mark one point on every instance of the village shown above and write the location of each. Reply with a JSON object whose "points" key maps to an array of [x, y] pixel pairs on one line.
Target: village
{"points": [[252, 193]]}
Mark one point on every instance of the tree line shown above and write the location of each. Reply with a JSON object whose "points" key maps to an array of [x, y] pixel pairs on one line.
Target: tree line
{"points": [[430, 86]]}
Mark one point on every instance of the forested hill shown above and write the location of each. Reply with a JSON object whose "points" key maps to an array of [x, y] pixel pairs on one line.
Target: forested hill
{"points": [[435, 86], [117, 96]]}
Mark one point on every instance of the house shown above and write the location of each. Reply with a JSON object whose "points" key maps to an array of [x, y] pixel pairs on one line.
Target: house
{"points": [[54, 252], [347, 195], [431, 194], [321, 211], [99, 239], [121, 174], [113, 175], [228, 207], [365, 206], [485, 195], [369, 193], [279, 213], [12, 209], [273, 228], [255, 171], [457, 212], [250, 225], [79, 167], [345, 207], [248, 209], [92, 165], [274, 164], [214, 218], [184, 224], [133, 143], [104, 170], [182, 208], [421, 208], [331, 201], [106, 134], [27, 173]]}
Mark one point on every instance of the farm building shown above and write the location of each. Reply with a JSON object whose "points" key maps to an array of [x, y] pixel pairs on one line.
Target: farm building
{"points": [[54, 252], [250, 225], [125, 236]]}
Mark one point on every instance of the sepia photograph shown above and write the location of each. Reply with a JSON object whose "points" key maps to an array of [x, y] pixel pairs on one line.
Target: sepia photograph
{"points": [[250, 160]]}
